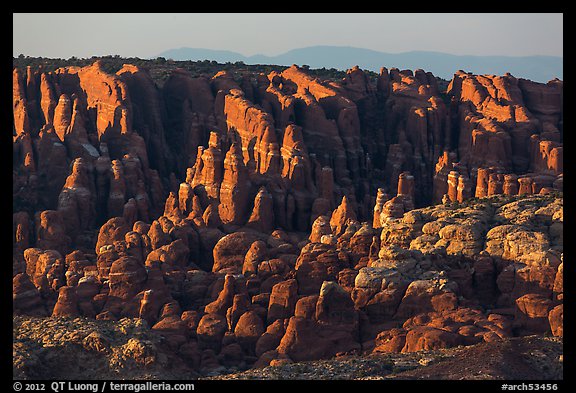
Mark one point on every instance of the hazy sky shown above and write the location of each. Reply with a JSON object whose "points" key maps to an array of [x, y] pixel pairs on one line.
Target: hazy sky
{"points": [[146, 35]]}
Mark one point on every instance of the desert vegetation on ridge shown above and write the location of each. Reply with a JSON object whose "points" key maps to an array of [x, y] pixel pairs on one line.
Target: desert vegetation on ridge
{"points": [[160, 68]]}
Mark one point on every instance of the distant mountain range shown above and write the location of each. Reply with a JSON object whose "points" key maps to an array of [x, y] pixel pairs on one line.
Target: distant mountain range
{"points": [[443, 65]]}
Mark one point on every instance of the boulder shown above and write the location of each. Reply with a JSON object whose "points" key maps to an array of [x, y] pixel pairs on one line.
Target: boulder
{"points": [[230, 251]]}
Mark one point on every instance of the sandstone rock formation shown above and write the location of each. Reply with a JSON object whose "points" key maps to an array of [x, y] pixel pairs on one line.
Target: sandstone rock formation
{"points": [[256, 220]]}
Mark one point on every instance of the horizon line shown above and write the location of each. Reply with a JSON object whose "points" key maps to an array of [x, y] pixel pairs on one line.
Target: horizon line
{"points": [[362, 48], [299, 48]]}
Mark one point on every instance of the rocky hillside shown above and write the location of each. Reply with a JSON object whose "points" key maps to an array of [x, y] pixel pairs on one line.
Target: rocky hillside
{"points": [[521, 358], [81, 348], [276, 218], [61, 348]]}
